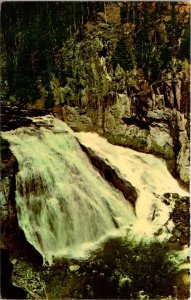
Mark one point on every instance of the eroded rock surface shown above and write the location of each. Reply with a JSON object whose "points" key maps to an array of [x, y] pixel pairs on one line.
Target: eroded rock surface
{"points": [[180, 216], [8, 290], [120, 103], [112, 175]]}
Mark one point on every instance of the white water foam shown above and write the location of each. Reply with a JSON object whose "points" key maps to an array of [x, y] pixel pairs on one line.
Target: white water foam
{"points": [[147, 173], [64, 206]]}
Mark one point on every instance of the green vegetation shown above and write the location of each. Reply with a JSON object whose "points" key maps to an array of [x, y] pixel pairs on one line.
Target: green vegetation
{"points": [[166, 151], [136, 142], [33, 34], [123, 55], [120, 270], [161, 33], [119, 139]]}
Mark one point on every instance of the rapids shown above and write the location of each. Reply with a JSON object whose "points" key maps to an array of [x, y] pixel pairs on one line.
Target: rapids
{"points": [[147, 173], [64, 206]]}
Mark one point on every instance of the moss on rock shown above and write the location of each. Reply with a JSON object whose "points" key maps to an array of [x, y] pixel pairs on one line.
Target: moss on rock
{"points": [[134, 142]]}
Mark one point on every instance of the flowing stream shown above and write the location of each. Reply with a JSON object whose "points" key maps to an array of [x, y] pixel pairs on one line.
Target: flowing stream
{"points": [[64, 206], [147, 173]]}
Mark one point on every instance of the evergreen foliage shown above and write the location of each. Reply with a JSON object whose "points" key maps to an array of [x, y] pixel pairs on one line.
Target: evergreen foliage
{"points": [[33, 34]]}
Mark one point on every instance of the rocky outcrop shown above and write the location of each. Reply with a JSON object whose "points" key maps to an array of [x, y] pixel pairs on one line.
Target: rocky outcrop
{"points": [[124, 73], [7, 188], [9, 291], [13, 117], [180, 216], [11, 233], [183, 159], [101, 93], [112, 175]]}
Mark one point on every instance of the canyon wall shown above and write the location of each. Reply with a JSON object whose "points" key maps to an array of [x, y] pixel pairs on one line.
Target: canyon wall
{"points": [[120, 69], [106, 91]]}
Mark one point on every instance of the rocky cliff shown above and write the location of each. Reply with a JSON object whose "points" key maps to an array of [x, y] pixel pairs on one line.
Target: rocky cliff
{"points": [[123, 70], [124, 74], [106, 90]]}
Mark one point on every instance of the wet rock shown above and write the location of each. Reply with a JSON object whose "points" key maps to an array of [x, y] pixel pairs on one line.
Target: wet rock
{"points": [[159, 232], [184, 240], [177, 233], [167, 195], [185, 199], [14, 117], [183, 284], [174, 195], [183, 159], [112, 175], [183, 206], [173, 239], [27, 276], [11, 234], [181, 218], [167, 202], [9, 291]]}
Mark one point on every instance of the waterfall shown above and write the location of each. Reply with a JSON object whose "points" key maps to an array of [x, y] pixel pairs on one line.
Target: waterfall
{"points": [[147, 173], [63, 204]]}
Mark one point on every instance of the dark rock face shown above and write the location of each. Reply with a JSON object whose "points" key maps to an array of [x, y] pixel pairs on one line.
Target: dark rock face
{"points": [[9, 291], [121, 104], [112, 175], [11, 234], [9, 168], [124, 74], [180, 217], [14, 117]]}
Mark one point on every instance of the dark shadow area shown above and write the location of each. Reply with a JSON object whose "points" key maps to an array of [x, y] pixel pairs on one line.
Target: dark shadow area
{"points": [[9, 291]]}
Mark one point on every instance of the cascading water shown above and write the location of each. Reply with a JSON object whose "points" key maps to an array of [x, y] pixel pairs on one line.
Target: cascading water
{"points": [[147, 173], [64, 206]]}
